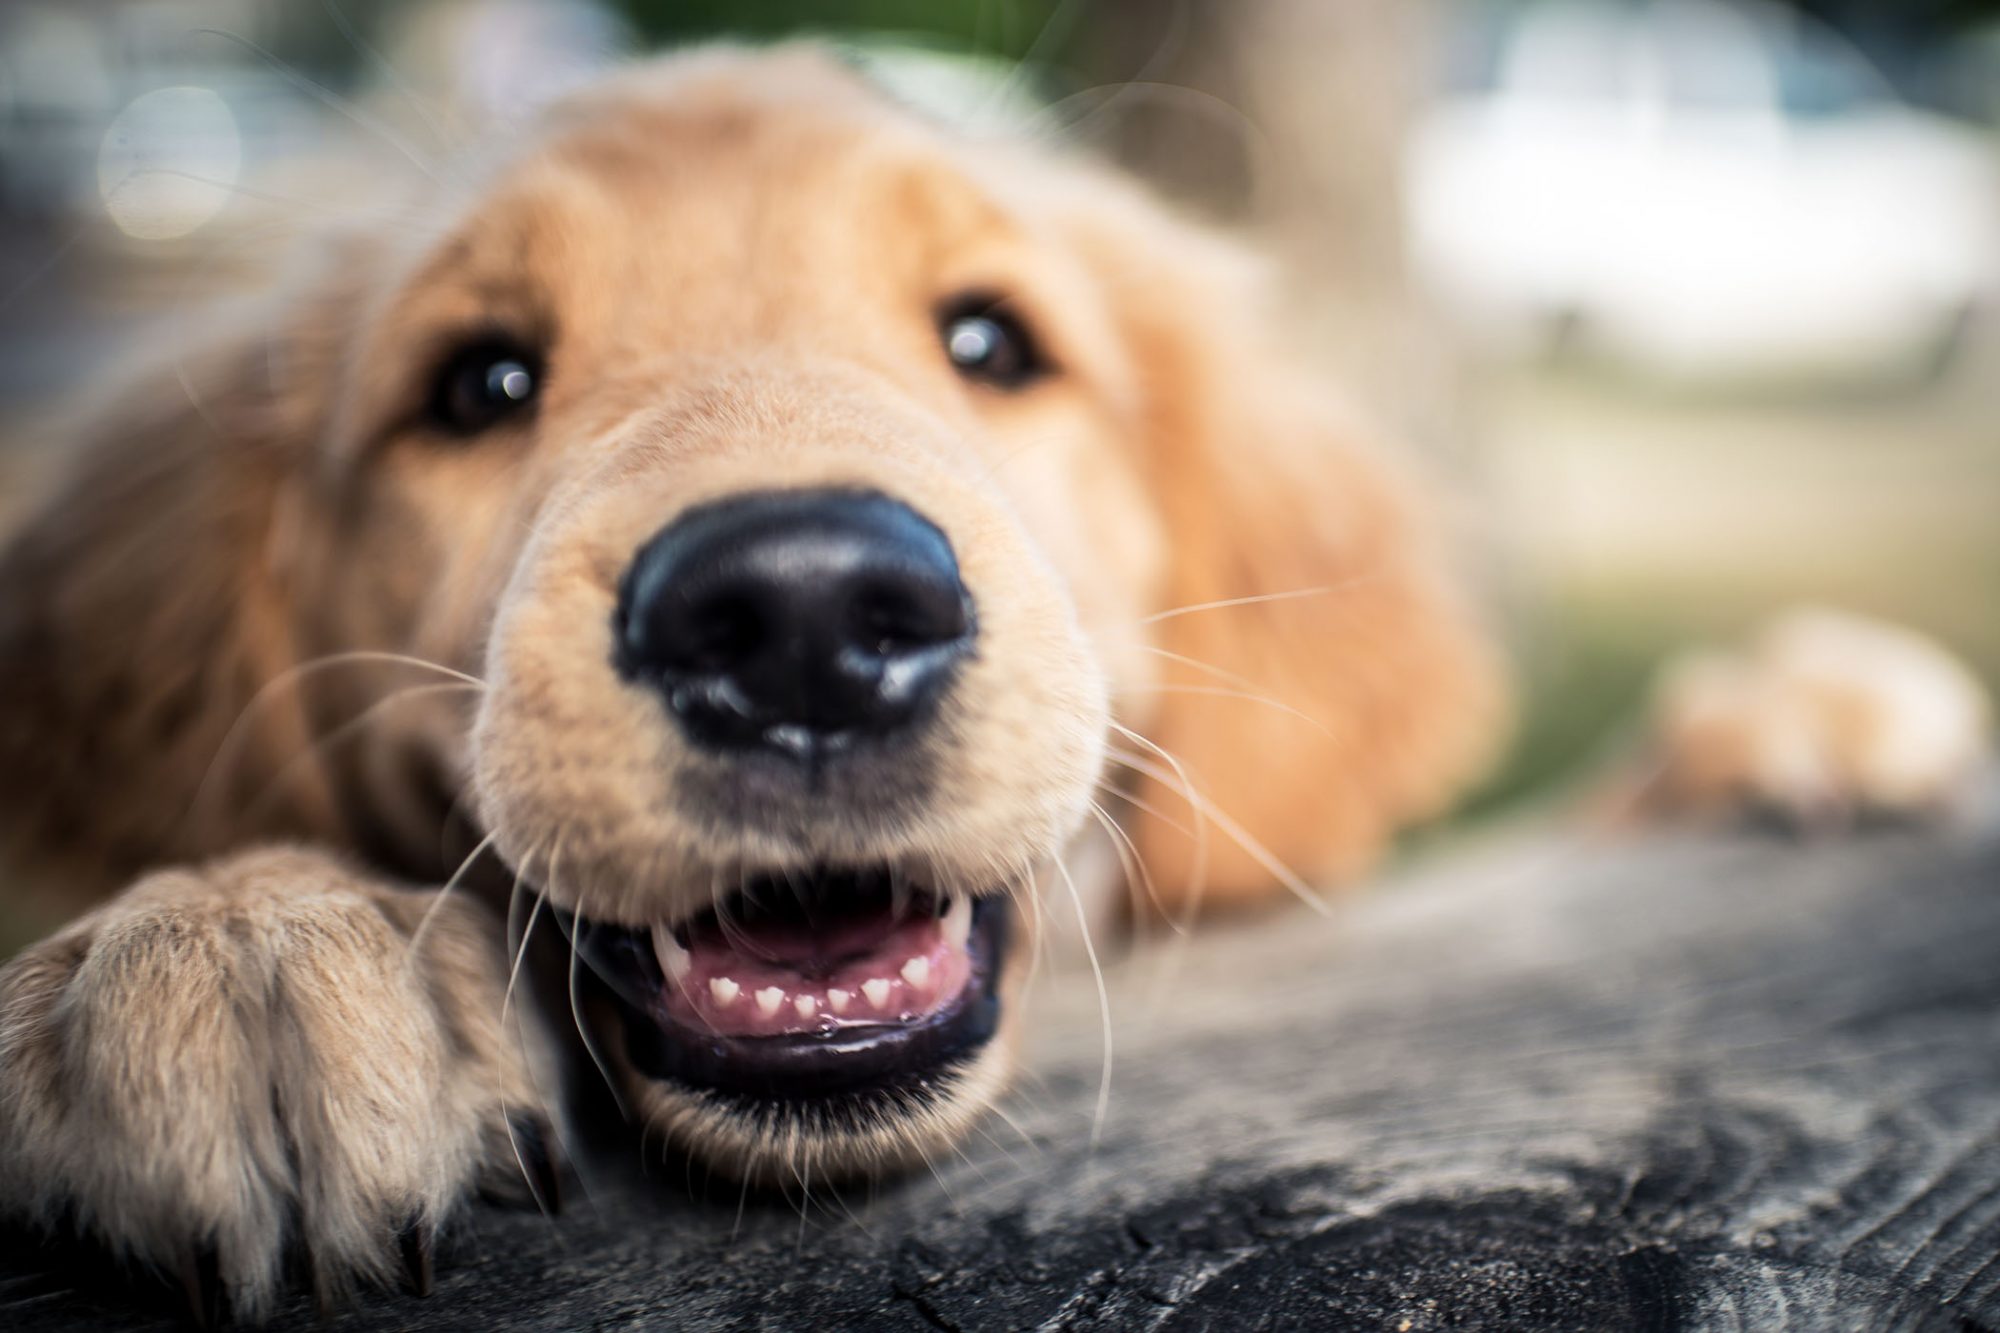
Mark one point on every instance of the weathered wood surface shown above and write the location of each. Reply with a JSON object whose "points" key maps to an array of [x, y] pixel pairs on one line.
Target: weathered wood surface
{"points": [[1675, 1084]]}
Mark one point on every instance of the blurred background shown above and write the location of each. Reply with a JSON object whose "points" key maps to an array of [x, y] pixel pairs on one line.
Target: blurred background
{"points": [[1693, 302]]}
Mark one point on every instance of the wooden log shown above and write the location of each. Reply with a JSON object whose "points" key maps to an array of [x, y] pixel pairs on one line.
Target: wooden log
{"points": [[1677, 1083]]}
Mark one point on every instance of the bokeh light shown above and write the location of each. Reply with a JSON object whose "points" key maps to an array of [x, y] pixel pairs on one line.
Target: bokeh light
{"points": [[169, 162]]}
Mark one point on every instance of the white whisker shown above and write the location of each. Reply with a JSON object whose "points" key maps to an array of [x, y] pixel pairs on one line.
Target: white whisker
{"points": [[346, 731], [330, 99], [1130, 860], [424, 921], [1217, 692], [1198, 880], [1055, 30], [394, 76], [1027, 1140], [1103, 1004], [311, 667], [507, 1121], [575, 1012], [1031, 891], [1227, 677], [1256, 850], [1294, 595], [521, 951]]}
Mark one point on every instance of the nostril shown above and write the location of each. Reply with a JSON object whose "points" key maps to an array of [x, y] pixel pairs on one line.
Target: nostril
{"points": [[721, 632], [903, 617]]}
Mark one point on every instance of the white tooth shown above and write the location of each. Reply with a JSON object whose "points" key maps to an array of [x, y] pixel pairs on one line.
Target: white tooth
{"points": [[917, 972], [877, 991], [957, 924], [724, 990], [806, 1005], [674, 960], [768, 1000], [836, 999]]}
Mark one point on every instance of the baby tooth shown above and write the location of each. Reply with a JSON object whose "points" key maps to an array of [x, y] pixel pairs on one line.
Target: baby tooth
{"points": [[957, 924], [877, 991], [724, 990], [768, 1000], [917, 972], [836, 999], [806, 1006], [674, 960]]}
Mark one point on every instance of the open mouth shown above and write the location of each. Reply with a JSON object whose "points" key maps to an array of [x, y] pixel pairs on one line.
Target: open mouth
{"points": [[808, 985]]}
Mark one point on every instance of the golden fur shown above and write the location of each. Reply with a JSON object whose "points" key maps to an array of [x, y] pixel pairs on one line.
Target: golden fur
{"points": [[735, 261]]}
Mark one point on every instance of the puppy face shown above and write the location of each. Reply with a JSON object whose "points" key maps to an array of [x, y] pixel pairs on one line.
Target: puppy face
{"points": [[738, 437], [808, 487]]}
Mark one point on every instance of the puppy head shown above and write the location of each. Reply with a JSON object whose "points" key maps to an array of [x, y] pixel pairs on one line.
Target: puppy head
{"points": [[807, 487]]}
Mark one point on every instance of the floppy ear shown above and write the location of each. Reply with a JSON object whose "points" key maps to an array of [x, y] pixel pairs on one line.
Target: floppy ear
{"points": [[142, 605], [1378, 694]]}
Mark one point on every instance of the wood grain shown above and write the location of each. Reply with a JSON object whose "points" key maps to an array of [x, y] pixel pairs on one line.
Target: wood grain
{"points": [[1679, 1083]]}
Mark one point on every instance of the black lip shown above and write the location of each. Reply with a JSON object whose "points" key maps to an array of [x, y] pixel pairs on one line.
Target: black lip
{"points": [[801, 1067]]}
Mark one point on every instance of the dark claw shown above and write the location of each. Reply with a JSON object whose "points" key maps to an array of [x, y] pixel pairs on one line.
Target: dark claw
{"points": [[415, 1242], [201, 1286], [542, 1155]]}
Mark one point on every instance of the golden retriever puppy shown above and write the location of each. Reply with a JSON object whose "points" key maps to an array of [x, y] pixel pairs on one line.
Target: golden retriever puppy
{"points": [[774, 522]]}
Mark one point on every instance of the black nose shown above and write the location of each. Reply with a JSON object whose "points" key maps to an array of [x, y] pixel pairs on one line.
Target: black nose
{"points": [[795, 621]]}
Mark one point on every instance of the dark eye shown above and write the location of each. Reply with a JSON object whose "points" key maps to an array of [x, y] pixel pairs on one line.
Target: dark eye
{"points": [[988, 343], [483, 384]]}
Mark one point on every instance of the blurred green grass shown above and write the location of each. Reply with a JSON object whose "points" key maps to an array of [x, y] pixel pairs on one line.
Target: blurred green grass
{"points": [[1010, 30], [1636, 521]]}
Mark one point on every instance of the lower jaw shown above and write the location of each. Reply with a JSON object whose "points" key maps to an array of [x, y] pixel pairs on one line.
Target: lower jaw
{"points": [[811, 1069], [834, 1140]]}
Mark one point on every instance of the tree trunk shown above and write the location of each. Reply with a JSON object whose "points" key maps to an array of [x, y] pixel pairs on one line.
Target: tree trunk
{"points": [[1290, 118]]}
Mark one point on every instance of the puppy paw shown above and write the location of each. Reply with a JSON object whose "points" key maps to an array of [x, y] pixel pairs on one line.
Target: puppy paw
{"points": [[1824, 718], [265, 1059]]}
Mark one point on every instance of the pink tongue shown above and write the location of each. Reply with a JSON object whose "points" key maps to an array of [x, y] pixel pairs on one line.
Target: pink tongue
{"points": [[797, 978]]}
